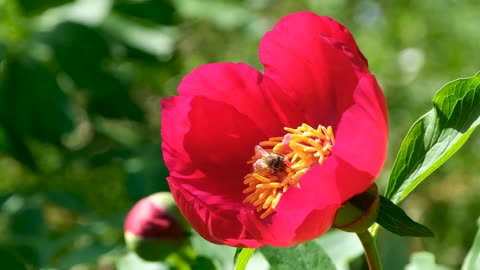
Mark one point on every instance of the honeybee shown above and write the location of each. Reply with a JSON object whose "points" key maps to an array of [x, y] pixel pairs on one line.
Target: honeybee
{"points": [[272, 160]]}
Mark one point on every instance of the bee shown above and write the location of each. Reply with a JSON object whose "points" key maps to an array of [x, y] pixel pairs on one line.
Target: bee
{"points": [[272, 160]]}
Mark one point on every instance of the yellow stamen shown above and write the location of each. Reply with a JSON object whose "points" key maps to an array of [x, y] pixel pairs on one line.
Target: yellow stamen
{"points": [[284, 161]]}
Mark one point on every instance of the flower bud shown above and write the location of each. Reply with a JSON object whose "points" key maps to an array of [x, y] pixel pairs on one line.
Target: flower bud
{"points": [[153, 227], [360, 212]]}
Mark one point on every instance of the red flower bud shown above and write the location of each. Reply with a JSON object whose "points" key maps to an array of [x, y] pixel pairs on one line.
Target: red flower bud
{"points": [[153, 228]]}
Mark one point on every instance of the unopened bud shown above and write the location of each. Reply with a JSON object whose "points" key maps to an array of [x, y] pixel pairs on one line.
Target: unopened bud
{"points": [[360, 212], [153, 227]]}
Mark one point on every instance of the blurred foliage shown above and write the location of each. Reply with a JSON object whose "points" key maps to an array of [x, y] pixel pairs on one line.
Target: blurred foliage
{"points": [[80, 83]]}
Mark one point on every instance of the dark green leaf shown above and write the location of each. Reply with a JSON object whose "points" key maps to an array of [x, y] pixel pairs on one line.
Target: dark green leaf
{"points": [[10, 260], [436, 136], [395, 220], [144, 172], [27, 222], [109, 97], [472, 261], [3, 51], [66, 200], [81, 52], [305, 256], [11, 142], [31, 7], [85, 255], [157, 11], [32, 103], [203, 263]]}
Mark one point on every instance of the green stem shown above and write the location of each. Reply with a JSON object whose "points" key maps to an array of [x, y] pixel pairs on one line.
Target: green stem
{"points": [[374, 230], [371, 253], [243, 258]]}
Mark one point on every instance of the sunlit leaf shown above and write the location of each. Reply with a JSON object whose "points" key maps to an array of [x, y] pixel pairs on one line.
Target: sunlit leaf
{"points": [[341, 247], [436, 136], [306, 256], [222, 256], [226, 15], [158, 41], [424, 261], [472, 261], [132, 261]]}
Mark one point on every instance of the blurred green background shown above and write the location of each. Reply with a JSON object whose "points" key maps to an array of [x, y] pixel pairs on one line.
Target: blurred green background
{"points": [[80, 84]]}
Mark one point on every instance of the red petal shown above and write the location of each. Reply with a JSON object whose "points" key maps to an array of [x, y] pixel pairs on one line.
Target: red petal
{"points": [[205, 148], [248, 91], [362, 136], [319, 76], [215, 220]]}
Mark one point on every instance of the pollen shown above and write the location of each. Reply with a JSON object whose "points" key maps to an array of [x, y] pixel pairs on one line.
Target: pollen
{"points": [[280, 162]]}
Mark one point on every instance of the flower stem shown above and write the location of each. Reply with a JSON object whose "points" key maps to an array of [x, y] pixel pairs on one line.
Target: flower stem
{"points": [[371, 253], [243, 258]]}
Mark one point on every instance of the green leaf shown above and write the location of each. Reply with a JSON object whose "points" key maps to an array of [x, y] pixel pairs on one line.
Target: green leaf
{"points": [[32, 7], [32, 104], [10, 260], [157, 41], [423, 260], [472, 261], [395, 220], [13, 144], [221, 255], [132, 261], [156, 11], [309, 255], [86, 68], [243, 258], [341, 247], [3, 51], [436, 136]]}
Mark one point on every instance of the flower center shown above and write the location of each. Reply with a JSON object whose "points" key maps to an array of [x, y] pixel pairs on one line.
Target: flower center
{"points": [[280, 162]]}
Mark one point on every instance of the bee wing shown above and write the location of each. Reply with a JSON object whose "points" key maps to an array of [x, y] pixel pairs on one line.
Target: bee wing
{"points": [[260, 152]]}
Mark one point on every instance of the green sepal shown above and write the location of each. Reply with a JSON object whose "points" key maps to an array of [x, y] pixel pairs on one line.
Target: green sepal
{"points": [[394, 219]]}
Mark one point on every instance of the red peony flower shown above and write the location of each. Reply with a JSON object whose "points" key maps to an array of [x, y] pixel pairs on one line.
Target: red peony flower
{"points": [[268, 158]]}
